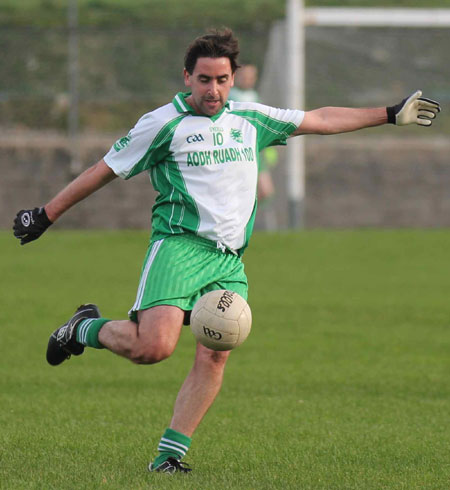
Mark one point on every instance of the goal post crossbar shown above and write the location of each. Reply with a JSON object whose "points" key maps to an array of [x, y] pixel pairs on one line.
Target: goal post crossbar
{"points": [[376, 17]]}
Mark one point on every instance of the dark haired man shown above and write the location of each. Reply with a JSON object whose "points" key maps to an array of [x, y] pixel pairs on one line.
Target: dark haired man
{"points": [[201, 154]]}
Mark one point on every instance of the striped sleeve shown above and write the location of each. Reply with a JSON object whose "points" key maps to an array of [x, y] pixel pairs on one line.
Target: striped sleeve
{"points": [[274, 126], [145, 145]]}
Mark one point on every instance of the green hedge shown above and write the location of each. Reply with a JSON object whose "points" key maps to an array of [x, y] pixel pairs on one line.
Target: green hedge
{"points": [[131, 54], [173, 13]]}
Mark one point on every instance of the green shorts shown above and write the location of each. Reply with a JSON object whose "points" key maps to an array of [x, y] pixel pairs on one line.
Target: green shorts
{"points": [[177, 270]]}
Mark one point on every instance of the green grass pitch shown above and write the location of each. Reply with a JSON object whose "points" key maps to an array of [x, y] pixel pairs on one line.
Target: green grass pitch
{"points": [[342, 384]]}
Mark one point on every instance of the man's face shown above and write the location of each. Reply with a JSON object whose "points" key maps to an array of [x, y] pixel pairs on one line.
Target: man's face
{"points": [[210, 84]]}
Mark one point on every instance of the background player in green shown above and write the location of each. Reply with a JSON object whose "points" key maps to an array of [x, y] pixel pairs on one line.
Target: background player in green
{"points": [[244, 90], [183, 260]]}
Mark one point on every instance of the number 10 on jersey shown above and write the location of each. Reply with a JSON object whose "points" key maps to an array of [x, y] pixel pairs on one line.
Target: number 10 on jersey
{"points": [[218, 139]]}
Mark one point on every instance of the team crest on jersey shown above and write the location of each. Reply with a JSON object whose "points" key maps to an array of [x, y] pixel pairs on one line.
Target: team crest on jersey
{"points": [[122, 143], [236, 134]]}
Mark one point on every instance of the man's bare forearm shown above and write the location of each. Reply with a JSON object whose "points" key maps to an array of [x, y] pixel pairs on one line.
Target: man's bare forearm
{"points": [[83, 186], [414, 109], [335, 120]]}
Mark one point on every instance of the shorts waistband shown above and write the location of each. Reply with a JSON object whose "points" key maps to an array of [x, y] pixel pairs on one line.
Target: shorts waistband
{"points": [[214, 246]]}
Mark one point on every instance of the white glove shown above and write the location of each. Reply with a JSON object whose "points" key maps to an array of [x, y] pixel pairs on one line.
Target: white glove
{"points": [[413, 110]]}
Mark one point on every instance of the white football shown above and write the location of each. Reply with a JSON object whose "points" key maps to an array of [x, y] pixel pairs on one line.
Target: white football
{"points": [[221, 320]]}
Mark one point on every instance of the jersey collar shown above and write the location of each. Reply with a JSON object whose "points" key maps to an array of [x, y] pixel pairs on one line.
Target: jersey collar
{"points": [[179, 101]]}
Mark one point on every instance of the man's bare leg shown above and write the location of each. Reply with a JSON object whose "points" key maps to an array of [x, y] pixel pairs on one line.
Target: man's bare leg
{"points": [[153, 339], [199, 389], [196, 395]]}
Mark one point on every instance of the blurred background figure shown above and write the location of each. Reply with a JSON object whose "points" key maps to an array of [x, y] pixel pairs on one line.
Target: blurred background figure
{"points": [[244, 84], [244, 90]]}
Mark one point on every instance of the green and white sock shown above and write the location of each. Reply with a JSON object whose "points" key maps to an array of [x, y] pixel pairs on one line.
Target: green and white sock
{"points": [[87, 332], [173, 444]]}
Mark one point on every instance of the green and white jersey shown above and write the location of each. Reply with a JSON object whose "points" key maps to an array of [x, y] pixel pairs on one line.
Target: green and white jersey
{"points": [[203, 168]]}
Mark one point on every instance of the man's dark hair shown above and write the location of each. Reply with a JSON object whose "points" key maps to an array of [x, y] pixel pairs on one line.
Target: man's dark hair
{"points": [[214, 44]]}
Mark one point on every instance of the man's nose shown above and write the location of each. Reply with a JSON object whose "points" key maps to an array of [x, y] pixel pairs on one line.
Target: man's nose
{"points": [[213, 87]]}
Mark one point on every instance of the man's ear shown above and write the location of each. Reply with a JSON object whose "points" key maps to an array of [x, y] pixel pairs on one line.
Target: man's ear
{"points": [[187, 78]]}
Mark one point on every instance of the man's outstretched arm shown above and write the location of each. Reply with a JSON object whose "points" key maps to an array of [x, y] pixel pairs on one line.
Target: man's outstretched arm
{"points": [[415, 109], [83, 186], [29, 224]]}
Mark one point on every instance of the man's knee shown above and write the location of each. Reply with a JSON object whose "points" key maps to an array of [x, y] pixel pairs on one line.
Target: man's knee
{"points": [[150, 353], [213, 360], [158, 332]]}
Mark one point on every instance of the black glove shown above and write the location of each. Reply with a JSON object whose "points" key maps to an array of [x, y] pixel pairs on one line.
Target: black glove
{"points": [[413, 110], [29, 224]]}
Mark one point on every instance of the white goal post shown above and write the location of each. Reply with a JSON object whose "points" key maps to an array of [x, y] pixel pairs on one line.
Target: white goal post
{"points": [[377, 17], [297, 17]]}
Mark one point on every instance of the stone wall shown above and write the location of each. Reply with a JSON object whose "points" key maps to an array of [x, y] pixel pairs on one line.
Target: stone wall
{"points": [[377, 182], [352, 181], [35, 167]]}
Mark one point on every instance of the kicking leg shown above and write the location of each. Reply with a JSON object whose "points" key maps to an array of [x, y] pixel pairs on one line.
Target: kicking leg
{"points": [[151, 340]]}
